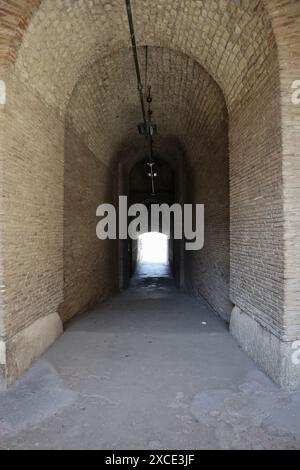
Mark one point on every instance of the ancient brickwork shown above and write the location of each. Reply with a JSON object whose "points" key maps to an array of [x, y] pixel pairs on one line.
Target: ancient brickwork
{"points": [[105, 113], [229, 39], [89, 269], [207, 271], [257, 207], [105, 110], [66, 64], [32, 189], [286, 23], [14, 18]]}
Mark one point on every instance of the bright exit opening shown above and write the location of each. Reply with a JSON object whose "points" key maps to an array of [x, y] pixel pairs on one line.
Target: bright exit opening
{"points": [[153, 248]]}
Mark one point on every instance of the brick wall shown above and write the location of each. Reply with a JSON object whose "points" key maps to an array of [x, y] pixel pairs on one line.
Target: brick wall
{"points": [[207, 271], [257, 266], [51, 187], [89, 271], [32, 189], [286, 23]]}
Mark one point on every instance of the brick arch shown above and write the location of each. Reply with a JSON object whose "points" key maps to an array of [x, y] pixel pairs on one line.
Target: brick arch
{"points": [[188, 104], [60, 43], [192, 119], [15, 18]]}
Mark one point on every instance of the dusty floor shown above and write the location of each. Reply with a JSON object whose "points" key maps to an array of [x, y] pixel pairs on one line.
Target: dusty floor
{"points": [[150, 369]]}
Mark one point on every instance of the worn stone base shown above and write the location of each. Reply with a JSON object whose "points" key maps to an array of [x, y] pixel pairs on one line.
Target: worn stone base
{"points": [[17, 354], [279, 359]]}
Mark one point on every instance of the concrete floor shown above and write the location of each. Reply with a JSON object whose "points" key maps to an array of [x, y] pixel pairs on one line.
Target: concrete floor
{"points": [[149, 369]]}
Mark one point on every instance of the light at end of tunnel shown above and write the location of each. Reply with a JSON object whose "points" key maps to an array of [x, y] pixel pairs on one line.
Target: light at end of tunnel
{"points": [[153, 248]]}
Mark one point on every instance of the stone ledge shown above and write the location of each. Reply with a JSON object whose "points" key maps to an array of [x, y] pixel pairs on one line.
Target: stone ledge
{"points": [[20, 352], [273, 356]]}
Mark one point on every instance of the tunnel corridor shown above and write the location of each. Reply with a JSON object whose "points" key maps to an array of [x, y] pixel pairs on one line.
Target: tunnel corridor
{"points": [[219, 81]]}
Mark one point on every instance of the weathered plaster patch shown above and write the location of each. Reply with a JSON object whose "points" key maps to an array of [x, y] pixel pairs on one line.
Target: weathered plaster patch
{"points": [[273, 355], [37, 396], [29, 344]]}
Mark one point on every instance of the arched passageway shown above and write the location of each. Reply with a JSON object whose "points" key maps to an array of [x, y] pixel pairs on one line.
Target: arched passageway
{"points": [[221, 76], [140, 192]]}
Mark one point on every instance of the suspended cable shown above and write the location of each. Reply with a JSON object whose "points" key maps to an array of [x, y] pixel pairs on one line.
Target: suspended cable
{"points": [[146, 67], [147, 129], [135, 58]]}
